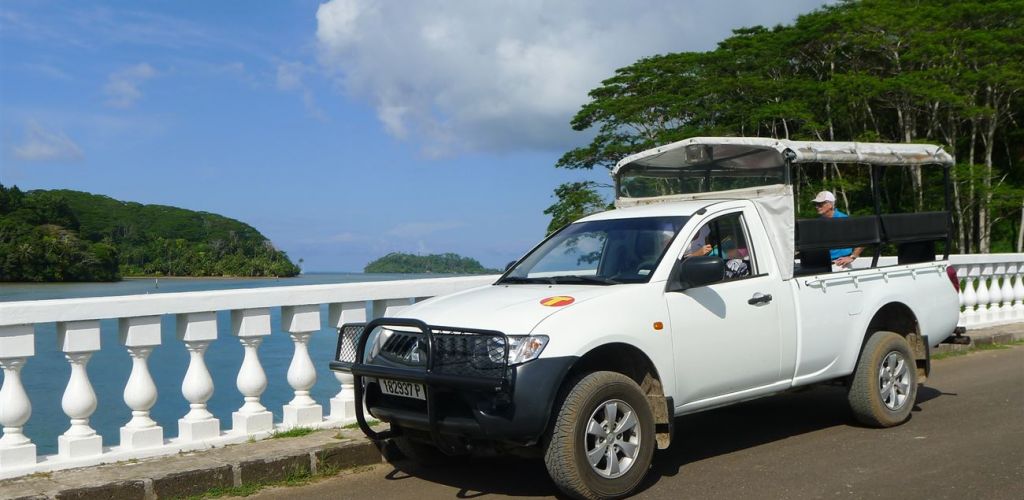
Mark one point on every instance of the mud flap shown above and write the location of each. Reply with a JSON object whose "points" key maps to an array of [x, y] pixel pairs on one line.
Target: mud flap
{"points": [[663, 411], [922, 355]]}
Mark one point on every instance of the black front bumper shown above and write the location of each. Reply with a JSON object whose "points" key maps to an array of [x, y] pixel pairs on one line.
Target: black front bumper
{"points": [[513, 407]]}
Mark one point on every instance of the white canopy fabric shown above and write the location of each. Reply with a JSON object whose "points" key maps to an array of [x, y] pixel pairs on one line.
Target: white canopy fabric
{"points": [[759, 152]]}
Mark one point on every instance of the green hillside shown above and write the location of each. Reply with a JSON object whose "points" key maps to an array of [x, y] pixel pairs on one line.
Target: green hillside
{"points": [[448, 263], [63, 235]]}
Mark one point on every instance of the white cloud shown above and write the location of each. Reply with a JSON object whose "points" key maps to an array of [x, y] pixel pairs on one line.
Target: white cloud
{"points": [[501, 74], [122, 87], [414, 230], [41, 144], [48, 71], [346, 237], [290, 76]]}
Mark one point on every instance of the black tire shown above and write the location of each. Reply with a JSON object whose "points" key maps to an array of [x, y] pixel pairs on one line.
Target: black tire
{"points": [[875, 402], [565, 452]]}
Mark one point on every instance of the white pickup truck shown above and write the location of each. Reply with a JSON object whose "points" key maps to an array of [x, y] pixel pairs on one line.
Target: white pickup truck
{"points": [[700, 290]]}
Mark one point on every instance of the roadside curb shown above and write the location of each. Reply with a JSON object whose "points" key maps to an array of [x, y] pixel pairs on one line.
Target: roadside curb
{"points": [[1002, 334], [195, 473]]}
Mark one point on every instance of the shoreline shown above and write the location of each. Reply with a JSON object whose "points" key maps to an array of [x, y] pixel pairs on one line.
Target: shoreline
{"points": [[225, 278], [239, 278]]}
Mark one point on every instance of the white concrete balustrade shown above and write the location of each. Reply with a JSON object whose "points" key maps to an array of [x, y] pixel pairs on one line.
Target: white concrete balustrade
{"points": [[992, 293], [992, 289], [140, 331]]}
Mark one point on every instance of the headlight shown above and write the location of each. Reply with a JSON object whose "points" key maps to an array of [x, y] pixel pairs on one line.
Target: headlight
{"points": [[523, 348]]}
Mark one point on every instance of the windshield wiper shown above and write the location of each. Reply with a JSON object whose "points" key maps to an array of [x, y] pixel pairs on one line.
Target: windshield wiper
{"points": [[519, 279], [585, 279]]}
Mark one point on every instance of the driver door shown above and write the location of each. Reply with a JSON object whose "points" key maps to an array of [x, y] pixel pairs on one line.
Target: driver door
{"points": [[726, 335]]}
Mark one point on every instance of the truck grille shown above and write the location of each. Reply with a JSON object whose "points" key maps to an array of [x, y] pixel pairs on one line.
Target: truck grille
{"points": [[405, 348], [455, 351], [469, 354]]}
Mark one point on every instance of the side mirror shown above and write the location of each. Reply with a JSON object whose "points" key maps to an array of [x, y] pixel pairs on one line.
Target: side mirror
{"points": [[509, 265], [693, 272]]}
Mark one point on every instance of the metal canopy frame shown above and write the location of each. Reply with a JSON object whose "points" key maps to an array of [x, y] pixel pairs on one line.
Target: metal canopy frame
{"points": [[699, 151], [753, 156]]}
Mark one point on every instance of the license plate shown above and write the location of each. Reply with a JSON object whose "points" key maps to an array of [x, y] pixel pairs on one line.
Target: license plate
{"points": [[403, 389]]}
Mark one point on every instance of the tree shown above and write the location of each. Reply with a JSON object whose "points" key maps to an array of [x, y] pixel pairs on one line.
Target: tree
{"points": [[575, 200], [72, 236], [937, 71]]}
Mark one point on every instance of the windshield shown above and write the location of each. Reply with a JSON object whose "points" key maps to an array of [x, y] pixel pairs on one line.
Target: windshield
{"points": [[605, 252]]}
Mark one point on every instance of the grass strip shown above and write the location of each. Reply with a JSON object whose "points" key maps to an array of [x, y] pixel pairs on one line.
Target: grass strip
{"points": [[976, 348], [355, 425], [292, 433]]}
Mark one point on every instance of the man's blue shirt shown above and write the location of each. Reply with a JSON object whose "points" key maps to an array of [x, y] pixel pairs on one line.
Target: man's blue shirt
{"points": [[836, 253]]}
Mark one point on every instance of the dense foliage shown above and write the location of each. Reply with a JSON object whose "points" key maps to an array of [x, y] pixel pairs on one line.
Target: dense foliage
{"points": [[947, 72], [73, 236], [575, 200], [446, 263]]}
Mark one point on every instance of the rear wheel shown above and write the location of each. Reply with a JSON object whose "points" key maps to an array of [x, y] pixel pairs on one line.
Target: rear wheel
{"points": [[603, 438], [884, 386]]}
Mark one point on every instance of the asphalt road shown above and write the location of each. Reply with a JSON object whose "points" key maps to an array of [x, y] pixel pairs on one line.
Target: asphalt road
{"points": [[965, 439]]}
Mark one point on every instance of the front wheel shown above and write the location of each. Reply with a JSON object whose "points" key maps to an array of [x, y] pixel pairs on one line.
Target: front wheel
{"points": [[884, 387], [603, 438]]}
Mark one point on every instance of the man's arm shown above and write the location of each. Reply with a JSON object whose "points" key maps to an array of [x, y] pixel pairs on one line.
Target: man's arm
{"points": [[847, 260]]}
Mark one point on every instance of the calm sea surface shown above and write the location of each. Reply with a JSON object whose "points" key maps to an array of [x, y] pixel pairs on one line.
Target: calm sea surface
{"points": [[45, 375]]}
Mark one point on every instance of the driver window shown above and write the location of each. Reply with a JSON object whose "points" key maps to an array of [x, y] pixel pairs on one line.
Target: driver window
{"points": [[724, 237]]}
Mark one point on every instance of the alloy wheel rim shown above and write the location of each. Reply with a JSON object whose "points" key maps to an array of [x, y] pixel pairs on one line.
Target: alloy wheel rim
{"points": [[894, 381], [612, 438]]}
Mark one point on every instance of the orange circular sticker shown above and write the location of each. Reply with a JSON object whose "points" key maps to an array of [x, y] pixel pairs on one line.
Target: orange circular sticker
{"points": [[557, 301]]}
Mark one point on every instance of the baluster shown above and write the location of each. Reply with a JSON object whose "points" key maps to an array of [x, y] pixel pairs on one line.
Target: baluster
{"points": [[343, 404], [78, 340], [17, 344], [1018, 293], [250, 326], [970, 313], [197, 330], [1006, 293], [995, 311], [300, 322], [389, 307], [140, 336], [984, 297]]}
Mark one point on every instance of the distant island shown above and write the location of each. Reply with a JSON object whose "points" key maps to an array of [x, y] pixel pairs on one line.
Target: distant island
{"points": [[62, 235], [446, 263]]}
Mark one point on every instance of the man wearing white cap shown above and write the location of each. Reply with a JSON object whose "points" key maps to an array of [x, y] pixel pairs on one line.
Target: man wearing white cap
{"points": [[825, 204]]}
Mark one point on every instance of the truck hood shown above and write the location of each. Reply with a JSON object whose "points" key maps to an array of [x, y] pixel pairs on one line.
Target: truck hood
{"points": [[510, 309]]}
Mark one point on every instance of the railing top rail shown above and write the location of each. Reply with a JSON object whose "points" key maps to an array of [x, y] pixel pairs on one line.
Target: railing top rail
{"points": [[985, 258], [123, 306]]}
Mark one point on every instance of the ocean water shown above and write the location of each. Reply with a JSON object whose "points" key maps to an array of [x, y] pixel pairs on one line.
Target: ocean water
{"points": [[45, 375]]}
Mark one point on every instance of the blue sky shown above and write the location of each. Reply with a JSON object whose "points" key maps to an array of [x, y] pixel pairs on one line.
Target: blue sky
{"points": [[342, 130]]}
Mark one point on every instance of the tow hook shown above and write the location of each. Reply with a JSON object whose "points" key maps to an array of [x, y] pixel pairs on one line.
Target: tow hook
{"points": [[958, 337]]}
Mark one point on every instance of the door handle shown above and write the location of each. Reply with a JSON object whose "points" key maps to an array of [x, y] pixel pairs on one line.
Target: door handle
{"points": [[760, 298]]}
